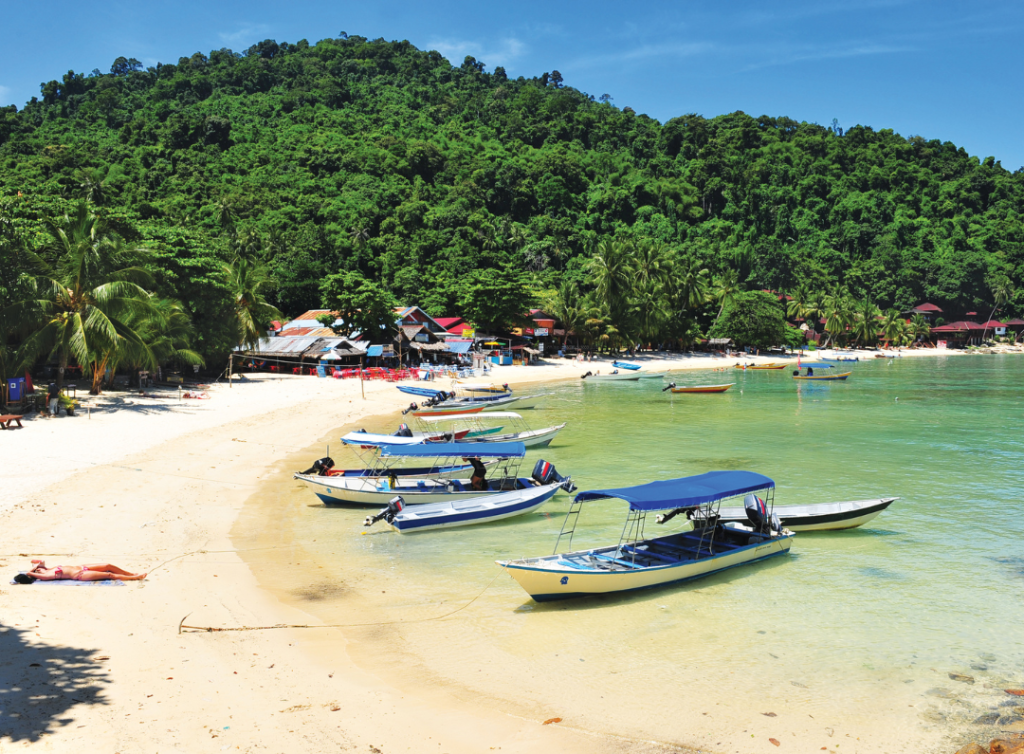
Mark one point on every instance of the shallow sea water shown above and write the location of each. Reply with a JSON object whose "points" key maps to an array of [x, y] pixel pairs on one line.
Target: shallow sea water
{"points": [[858, 631]]}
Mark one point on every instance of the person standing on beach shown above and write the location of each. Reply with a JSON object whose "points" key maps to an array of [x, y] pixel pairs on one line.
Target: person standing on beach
{"points": [[52, 398]]}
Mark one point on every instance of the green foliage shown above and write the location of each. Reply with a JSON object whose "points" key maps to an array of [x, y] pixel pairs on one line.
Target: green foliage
{"points": [[433, 181], [754, 319], [362, 306]]}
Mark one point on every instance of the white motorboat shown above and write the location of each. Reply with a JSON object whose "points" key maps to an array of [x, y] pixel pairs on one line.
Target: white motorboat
{"points": [[475, 426], [615, 376], [821, 516], [642, 562]]}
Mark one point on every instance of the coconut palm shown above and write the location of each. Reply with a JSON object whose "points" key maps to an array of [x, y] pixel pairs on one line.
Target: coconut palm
{"points": [[82, 306], [613, 272], [724, 288], [570, 308], [651, 260], [918, 327], [839, 315], [1002, 289], [245, 282], [865, 323], [691, 284], [894, 327]]}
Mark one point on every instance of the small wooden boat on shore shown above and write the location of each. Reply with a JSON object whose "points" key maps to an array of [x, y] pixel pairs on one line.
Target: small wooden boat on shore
{"points": [[699, 388], [821, 516], [821, 377], [641, 562], [478, 510], [755, 367], [615, 376]]}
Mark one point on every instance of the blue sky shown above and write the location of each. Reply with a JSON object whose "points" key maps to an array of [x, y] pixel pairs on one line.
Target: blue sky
{"points": [[938, 69]]}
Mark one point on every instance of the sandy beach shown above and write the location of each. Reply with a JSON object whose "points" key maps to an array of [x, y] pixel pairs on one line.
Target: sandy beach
{"points": [[157, 483]]}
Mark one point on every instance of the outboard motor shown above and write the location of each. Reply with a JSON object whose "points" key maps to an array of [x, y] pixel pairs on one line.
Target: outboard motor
{"points": [[586, 375], [320, 466], [403, 431], [668, 387], [412, 407], [757, 514], [395, 506], [545, 473]]}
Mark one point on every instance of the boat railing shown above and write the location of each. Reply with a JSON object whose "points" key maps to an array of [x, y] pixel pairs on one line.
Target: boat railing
{"points": [[569, 529]]}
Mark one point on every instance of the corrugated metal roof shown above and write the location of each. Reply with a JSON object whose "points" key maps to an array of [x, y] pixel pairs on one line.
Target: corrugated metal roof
{"points": [[375, 351]]}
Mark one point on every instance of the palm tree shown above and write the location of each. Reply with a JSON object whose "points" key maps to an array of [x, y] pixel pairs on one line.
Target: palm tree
{"points": [[612, 270], [569, 307], [918, 327], [691, 283], [838, 315], [166, 330], [245, 281], [83, 305], [894, 327], [724, 288], [865, 323], [225, 211], [651, 260], [1002, 289]]}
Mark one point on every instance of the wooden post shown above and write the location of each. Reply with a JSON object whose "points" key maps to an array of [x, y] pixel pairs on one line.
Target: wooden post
{"points": [[231, 361], [362, 389]]}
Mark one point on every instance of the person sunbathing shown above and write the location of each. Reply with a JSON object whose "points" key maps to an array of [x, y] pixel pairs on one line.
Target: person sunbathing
{"points": [[88, 572]]}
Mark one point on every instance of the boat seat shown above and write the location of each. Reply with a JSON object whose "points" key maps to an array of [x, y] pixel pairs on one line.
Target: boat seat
{"points": [[651, 553], [679, 548], [574, 564], [610, 559], [421, 485]]}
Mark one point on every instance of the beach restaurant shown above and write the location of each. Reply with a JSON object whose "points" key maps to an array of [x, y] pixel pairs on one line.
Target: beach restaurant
{"points": [[960, 333]]}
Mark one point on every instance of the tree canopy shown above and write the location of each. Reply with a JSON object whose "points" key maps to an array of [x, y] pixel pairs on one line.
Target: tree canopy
{"points": [[446, 185]]}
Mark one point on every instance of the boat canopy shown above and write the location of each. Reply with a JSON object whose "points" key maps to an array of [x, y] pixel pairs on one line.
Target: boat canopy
{"points": [[688, 492], [488, 415], [368, 438], [455, 450]]}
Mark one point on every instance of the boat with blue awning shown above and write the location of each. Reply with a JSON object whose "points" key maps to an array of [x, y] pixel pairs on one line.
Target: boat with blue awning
{"points": [[640, 561], [496, 469]]}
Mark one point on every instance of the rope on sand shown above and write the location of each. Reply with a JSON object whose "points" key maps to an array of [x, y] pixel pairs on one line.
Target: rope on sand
{"points": [[211, 629]]}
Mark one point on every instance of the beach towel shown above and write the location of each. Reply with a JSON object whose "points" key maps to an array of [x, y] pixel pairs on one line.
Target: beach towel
{"points": [[69, 582]]}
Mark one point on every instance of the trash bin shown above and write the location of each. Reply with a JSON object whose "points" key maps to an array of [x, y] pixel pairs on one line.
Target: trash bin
{"points": [[15, 390]]}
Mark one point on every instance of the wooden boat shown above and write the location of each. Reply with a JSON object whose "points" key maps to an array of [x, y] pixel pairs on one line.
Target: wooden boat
{"points": [[476, 426], [699, 388], [626, 365], [477, 510], [755, 367], [822, 377], [380, 487], [639, 562], [611, 377], [841, 359], [822, 516]]}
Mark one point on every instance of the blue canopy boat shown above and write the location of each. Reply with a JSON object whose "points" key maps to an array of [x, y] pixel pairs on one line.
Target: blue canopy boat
{"points": [[445, 459], [642, 562], [625, 365]]}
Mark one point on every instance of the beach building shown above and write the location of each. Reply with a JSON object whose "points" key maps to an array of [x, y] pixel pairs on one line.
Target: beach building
{"points": [[958, 334], [926, 310]]}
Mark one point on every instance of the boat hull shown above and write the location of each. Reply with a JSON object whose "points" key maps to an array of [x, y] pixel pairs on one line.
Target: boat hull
{"points": [[823, 377], [472, 511], [377, 491], [624, 377], [545, 580], [703, 388], [651, 375], [448, 410], [821, 517]]}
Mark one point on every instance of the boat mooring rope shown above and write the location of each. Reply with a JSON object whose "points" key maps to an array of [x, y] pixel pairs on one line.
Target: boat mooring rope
{"points": [[211, 629]]}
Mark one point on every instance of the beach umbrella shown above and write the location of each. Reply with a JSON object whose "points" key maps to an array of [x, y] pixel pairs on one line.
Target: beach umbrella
{"points": [[492, 343], [332, 356]]}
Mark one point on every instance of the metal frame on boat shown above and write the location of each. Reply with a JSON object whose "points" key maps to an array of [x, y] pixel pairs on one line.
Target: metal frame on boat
{"points": [[642, 562]]}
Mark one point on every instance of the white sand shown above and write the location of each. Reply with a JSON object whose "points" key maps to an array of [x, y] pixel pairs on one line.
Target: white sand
{"points": [[154, 483]]}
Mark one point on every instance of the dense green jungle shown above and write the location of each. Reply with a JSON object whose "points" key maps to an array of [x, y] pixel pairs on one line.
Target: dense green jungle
{"points": [[372, 163]]}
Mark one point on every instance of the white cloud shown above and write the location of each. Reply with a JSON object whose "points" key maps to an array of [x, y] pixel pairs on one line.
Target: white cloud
{"points": [[501, 52], [787, 56], [244, 35], [646, 52], [4, 92]]}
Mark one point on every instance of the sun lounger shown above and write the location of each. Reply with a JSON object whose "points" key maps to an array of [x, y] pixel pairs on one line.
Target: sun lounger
{"points": [[7, 419]]}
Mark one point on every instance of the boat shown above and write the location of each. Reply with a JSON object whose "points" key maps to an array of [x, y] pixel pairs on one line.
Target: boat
{"points": [[652, 375], [699, 388], [755, 367], [626, 365], [841, 359], [476, 510], [821, 516], [380, 487], [818, 377], [323, 470], [442, 410], [641, 562], [475, 429], [615, 376]]}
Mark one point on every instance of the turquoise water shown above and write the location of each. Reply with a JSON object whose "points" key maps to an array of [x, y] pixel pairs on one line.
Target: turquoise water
{"points": [[861, 628]]}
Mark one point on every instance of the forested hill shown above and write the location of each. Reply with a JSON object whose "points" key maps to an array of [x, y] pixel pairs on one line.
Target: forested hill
{"points": [[376, 156]]}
